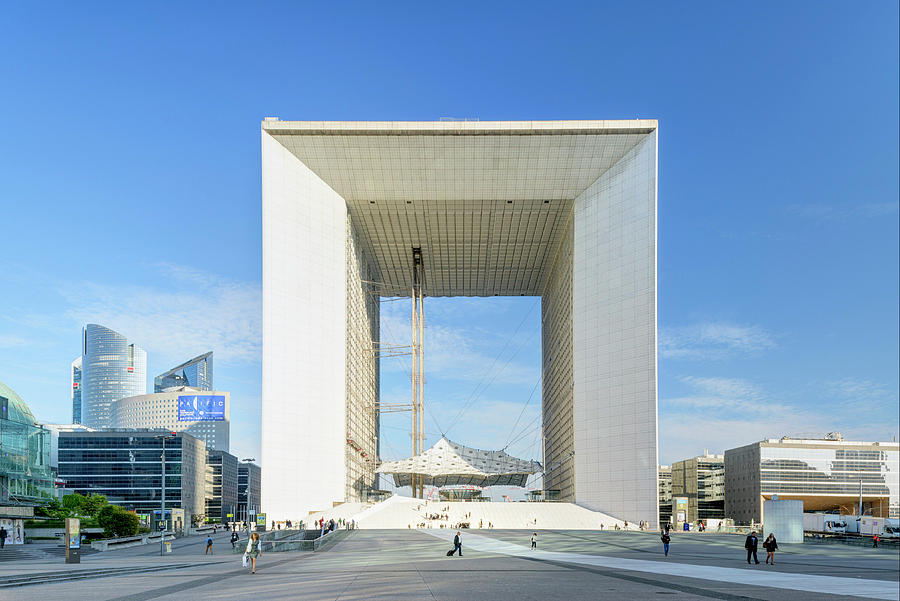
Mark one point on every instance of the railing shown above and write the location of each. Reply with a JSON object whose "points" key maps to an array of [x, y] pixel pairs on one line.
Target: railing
{"points": [[294, 540]]}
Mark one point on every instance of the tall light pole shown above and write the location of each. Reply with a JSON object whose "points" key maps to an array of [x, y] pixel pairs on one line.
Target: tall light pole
{"points": [[162, 513], [247, 493]]}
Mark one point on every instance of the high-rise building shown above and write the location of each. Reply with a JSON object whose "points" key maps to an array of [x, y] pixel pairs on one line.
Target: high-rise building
{"points": [[221, 486], [196, 373], [563, 210], [828, 474], [203, 414], [702, 481], [126, 466], [248, 491], [665, 494], [76, 390], [111, 369]]}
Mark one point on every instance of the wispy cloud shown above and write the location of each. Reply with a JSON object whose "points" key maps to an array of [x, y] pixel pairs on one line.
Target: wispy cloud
{"points": [[712, 340], [202, 312], [841, 212], [461, 352], [856, 393], [11, 341], [723, 413]]}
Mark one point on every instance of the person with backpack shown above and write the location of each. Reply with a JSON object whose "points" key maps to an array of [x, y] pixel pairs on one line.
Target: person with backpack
{"points": [[666, 539], [209, 542], [770, 545], [234, 539]]}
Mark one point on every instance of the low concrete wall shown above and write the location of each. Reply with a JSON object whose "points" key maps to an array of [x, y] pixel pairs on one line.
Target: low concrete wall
{"points": [[109, 544], [58, 533]]}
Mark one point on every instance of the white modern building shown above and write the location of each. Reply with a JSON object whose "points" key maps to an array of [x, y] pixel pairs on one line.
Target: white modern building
{"points": [[167, 410], [564, 210]]}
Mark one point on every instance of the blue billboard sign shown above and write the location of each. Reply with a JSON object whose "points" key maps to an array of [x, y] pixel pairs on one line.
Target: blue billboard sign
{"points": [[201, 408]]}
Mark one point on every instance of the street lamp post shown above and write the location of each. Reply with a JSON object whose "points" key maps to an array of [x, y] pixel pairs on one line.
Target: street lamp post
{"points": [[247, 493], [162, 513]]}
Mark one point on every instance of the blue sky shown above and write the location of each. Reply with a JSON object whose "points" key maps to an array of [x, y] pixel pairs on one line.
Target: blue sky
{"points": [[130, 193]]}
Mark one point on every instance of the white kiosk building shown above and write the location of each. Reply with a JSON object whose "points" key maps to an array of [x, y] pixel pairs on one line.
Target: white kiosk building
{"points": [[564, 210]]}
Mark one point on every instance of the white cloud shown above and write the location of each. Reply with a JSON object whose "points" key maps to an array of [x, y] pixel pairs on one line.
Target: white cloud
{"points": [[11, 341], [459, 353], [712, 340], [724, 413], [191, 313], [835, 212]]}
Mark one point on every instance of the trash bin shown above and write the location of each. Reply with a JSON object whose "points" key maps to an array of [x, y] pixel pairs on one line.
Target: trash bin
{"points": [[168, 547]]}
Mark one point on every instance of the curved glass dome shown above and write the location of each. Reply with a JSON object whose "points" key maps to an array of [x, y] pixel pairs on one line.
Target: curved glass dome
{"points": [[17, 409]]}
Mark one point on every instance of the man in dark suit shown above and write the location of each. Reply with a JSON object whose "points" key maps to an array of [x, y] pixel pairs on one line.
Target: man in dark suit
{"points": [[457, 545], [751, 544]]}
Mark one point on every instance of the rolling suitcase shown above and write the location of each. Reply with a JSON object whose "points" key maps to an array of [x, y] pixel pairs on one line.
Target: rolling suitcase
{"points": [[451, 552]]}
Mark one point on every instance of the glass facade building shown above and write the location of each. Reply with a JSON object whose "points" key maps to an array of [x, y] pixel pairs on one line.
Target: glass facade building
{"points": [[249, 478], [702, 481], [25, 474], [76, 391], [111, 369], [221, 486], [827, 475], [126, 466], [196, 373], [665, 494]]}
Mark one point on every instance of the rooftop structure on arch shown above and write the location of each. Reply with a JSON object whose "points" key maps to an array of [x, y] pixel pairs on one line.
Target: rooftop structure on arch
{"points": [[564, 210], [196, 373], [451, 464]]}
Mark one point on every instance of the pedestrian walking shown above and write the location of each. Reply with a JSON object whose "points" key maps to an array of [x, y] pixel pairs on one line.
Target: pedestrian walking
{"points": [[234, 539], [667, 528], [457, 543], [875, 540], [770, 545], [254, 550], [3, 535], [751, 545], [666, 539], [209, 550], [534, 540]]}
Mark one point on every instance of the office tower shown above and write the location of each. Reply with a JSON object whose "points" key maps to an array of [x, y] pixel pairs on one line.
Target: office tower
{"points": [[111, 369], [204, 415], [76, 390], [829, 474], [125, 465], [564, 210]]}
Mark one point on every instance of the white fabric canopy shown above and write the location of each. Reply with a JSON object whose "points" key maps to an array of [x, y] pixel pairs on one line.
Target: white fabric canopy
{"points": [[448, 463]]}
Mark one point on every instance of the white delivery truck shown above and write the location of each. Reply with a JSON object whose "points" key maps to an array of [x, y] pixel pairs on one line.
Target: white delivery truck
{"points": [[883, 527], [830, 523]]}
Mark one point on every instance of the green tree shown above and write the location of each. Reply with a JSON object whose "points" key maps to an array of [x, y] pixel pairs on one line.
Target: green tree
{"points": [[74, 503], [92, 504], [116, 521]]}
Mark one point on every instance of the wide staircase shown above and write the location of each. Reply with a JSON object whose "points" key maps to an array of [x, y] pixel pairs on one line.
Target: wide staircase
{"points": [[405, 512]]}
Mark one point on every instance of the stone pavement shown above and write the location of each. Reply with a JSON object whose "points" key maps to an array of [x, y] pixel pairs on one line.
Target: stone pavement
{"points": [[497, 566]]}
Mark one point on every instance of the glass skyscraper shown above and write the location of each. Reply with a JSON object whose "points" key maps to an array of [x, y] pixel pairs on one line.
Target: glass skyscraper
{"points": [[111, 369], [76, 391], [196, 373]]}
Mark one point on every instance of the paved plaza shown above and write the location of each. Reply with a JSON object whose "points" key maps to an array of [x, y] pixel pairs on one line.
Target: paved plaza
{"points": [[497, 566]]}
